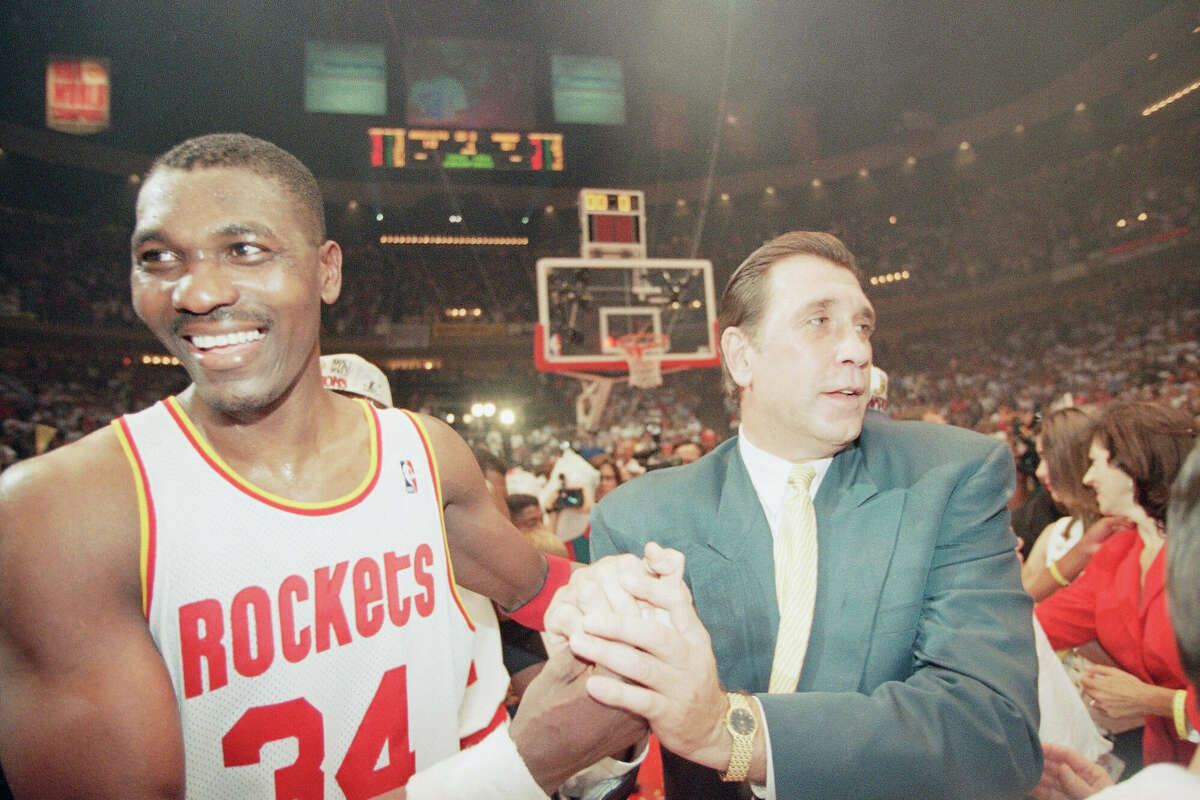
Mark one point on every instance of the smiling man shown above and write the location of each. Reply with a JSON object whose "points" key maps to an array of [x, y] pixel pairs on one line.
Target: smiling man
{"points": [[859, 627], [246, 590]]}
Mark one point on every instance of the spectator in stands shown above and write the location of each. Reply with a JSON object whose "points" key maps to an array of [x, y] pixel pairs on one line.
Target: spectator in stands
{"points": [[1118, 601], [527, 516], [1063, 549], [1069, 776], [610, 475], [688, 452]]}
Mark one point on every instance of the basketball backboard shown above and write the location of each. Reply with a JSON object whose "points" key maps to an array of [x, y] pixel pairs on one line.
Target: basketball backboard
{"points": [[586, 305]]}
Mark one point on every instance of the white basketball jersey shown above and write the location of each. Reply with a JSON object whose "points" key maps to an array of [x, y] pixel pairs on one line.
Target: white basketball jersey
{"points": [[317, 650]]}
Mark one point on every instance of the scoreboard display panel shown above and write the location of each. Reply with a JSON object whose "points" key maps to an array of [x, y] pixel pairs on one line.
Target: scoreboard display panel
{"points": [[394, 148], [612, 223]]}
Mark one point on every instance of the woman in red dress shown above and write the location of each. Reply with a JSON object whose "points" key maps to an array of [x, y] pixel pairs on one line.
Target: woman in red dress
{"points": [[1119, 600]]}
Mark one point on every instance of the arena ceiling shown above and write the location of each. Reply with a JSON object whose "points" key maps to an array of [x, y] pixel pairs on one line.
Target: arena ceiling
{"points": [[186, 67]]}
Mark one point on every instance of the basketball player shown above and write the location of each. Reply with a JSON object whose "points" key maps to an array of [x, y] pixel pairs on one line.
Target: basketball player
{"points": [[247, 590]]}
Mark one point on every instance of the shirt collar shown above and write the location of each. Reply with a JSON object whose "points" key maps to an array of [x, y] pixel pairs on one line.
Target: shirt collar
{"points": [[769, 476]]}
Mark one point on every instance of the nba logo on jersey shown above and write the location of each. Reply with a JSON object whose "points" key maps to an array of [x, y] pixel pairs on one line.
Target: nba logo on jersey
{"points": [[410, 476]]}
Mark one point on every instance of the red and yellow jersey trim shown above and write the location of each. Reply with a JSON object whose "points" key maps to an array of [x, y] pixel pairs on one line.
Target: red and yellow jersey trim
{"points": [[437, 485], [147, 545], [312, 509]]}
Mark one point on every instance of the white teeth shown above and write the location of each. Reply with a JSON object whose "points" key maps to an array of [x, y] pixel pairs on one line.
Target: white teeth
{"points": [[203, 342]]}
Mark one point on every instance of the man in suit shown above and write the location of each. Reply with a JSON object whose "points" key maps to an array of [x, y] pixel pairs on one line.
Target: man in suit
{"points": [[918, 676]]}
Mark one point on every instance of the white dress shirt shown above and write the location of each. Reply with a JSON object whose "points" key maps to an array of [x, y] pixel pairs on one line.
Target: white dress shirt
{"points": [[769, 476]]}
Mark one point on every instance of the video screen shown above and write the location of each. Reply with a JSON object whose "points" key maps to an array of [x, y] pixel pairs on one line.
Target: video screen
{"points": [[587, 90], [468, 83], [345, 78]]}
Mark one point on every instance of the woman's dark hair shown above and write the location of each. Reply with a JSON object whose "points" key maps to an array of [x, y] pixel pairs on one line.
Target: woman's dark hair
{"points": [[1149, 442]]}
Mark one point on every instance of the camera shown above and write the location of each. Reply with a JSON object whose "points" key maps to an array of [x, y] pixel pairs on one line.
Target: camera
{"points": [[568, 498]]}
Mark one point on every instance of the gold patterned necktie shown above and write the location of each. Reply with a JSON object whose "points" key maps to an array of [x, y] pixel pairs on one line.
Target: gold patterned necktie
{"points": [[795, 580]]}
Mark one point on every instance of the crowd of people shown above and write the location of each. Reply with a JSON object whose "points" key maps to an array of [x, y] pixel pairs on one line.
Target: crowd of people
{"points": [[948, 649], [950, 232], [1134, 344]]}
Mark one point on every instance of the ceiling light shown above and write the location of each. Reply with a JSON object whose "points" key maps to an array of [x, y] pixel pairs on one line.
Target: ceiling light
{"points": [[1171, 98]]}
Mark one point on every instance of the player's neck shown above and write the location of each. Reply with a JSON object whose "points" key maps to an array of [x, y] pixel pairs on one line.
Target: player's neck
{"points": [[291, 447]]}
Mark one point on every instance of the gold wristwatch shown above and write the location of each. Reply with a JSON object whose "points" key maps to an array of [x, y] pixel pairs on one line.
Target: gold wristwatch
{"points": [[742, 725]]}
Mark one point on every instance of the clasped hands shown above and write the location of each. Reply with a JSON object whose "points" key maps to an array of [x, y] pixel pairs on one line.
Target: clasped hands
{"points": [[615, 615]]}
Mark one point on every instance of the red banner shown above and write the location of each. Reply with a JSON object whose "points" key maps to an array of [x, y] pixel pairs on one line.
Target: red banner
{"points": [[77, 94]]}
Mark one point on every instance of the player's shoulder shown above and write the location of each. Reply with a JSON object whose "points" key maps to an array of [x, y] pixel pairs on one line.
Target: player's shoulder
{"points": [[81, 469], [435, 431], [83, 486], [455, 463], [69, 519], [69, 544]]}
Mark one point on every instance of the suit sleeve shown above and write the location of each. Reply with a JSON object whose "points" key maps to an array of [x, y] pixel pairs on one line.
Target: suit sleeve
{"points": [[964, 722], [600, 537]]}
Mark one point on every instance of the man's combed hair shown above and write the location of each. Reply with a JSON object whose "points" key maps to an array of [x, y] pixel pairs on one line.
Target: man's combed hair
{"points": [[238, 150], [1183, 564], [744, 300]]}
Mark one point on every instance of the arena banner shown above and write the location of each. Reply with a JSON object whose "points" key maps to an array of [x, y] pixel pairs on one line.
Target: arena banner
{"points": [[77, 94]]}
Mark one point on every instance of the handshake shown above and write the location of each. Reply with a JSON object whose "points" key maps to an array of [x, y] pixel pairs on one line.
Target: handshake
{"points": [[627, 652]]}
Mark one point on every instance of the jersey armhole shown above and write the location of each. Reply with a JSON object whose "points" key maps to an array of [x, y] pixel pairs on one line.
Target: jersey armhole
{"points": [[146, 531], [437, 483]]}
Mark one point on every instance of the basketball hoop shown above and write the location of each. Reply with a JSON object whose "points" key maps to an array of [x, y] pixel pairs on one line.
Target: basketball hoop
{"points": [[644, 353]]}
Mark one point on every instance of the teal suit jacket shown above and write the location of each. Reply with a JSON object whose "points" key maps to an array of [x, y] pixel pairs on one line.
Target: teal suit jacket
{"points": [[920, 678]]}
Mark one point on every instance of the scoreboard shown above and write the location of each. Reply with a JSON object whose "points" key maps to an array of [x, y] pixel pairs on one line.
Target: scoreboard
{"points": [[465, 149], [612, 223]]}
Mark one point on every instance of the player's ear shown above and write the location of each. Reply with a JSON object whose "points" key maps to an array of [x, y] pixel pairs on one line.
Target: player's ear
{"points": [[736, 350], [330, 258]]}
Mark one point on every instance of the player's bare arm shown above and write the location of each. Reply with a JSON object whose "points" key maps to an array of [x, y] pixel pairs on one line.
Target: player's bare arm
{"points": [[490, 556], [80, 678]]}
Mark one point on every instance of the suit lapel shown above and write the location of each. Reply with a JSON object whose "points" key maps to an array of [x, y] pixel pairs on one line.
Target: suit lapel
{"points": [[857, 528], [744, 573]]}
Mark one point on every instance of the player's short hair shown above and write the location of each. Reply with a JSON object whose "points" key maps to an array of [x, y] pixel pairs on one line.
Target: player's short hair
{"points": [[745, 298], [1183, 564], [1149, 442], [241, 151]]}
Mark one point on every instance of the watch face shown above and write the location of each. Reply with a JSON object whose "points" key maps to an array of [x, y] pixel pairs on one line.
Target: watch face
{"points": [[741, 721]]}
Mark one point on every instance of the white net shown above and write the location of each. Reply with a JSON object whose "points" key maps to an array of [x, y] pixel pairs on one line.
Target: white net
{"points": [[643, 354]]}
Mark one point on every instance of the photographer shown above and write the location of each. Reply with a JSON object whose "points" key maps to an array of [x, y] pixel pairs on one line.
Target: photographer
{"points": [[568, 498]]}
